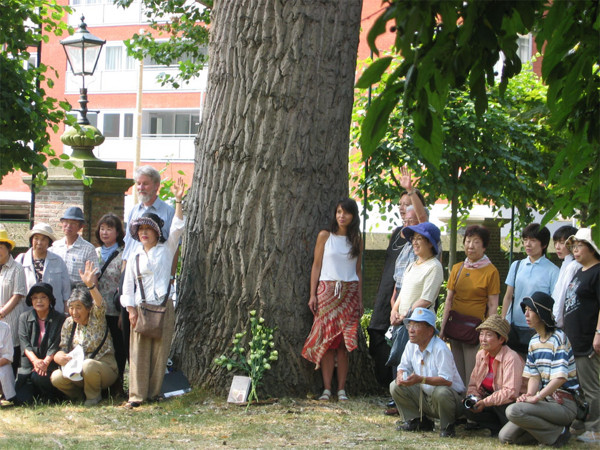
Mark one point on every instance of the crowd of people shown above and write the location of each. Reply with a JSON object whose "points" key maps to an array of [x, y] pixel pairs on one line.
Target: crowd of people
{"points": [[529, 372], [72, 315]]}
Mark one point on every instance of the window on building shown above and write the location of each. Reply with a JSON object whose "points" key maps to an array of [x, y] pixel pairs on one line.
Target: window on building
{"points": [[114, 57], [128, 125], [177, 123], [111, 125]]}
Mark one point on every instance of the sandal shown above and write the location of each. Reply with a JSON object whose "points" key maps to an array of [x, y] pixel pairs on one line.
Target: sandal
{"points": [[325, 396], [342, 397]]}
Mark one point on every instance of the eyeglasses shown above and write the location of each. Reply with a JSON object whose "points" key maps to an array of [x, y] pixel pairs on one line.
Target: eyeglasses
{"points": [[576, 246], [419, 239]]}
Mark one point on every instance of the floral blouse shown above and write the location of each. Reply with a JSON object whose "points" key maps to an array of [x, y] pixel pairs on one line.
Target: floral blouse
{"points": [[88, 336]]}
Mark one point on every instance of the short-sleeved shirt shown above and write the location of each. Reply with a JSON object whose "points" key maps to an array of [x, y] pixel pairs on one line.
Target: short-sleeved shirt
{"points": [[7, 348], [75, 257], [435, 361], [12, 282], [551, 359], [473, 288], [540, 275], [582, 305], [421, 281], [161, 209], [88, 336]]}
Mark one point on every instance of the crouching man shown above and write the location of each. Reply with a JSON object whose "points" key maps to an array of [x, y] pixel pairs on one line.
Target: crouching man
{"points": [[427, 384]]}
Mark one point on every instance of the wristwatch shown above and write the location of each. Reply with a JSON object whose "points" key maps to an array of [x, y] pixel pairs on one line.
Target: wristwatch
{"points": [[597, 331]]}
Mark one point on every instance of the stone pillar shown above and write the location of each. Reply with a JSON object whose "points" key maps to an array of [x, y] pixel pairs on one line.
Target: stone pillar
{"points": [[62, 190]]}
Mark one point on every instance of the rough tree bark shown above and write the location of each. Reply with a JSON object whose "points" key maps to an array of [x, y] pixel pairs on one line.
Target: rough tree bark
{"points": [[271, 162]]}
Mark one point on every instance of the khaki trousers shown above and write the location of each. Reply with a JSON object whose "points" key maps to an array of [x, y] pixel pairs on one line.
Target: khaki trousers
{"points": [[542, 422], [148, 360], [444, 403], [97, 375]]}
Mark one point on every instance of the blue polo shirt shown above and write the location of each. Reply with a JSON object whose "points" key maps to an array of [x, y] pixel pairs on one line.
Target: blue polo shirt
{"points": [[532, 277]]}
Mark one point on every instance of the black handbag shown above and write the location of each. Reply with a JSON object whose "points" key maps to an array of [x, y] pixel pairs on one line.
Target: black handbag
{"points": [[583, 407], [518, 337]]}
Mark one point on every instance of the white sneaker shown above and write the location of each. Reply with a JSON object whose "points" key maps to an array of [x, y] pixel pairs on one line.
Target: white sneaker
{"points": [[590, 437]]}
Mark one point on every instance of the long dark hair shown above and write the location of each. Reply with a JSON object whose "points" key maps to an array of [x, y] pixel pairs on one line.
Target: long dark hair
{"points": [[353, 233], [113, 221]]}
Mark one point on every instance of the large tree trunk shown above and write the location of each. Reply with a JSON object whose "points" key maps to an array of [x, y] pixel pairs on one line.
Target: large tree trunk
{"points": [[271, 162]]}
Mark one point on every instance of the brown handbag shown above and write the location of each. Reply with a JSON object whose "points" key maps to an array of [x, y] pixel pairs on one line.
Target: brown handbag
{"points": [[150, 317], [461, 327]]}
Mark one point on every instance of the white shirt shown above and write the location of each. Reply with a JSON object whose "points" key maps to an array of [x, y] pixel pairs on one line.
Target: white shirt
{"points": [[338, 264], [12, 281], [155, 268], [435, 361], [567, 270], [421, 281]]}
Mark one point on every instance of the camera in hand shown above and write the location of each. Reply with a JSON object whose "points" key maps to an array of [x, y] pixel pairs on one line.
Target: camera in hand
{"points": [[470, 401]]}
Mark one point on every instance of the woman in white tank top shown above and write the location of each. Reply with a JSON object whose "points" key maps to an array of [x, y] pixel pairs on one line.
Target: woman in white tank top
{"points": [[336, 297]]}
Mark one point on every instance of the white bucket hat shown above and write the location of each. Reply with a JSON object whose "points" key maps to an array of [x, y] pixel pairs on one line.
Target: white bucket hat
{"points": [[583, 234], [41, 228]]}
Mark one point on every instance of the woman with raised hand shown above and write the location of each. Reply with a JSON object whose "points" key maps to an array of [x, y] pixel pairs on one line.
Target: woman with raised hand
{"points": [[148, 282], [86, 327]]}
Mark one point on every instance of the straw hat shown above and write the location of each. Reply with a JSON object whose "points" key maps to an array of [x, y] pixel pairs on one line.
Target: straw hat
{"points": [[4, 238], [497, 324]]}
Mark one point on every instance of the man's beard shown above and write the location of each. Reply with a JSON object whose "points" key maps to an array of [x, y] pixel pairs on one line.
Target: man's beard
{"points": [[145, 198]]}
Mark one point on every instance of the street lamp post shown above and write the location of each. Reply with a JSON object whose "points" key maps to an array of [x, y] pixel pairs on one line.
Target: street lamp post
{"points": [[83, 51]]}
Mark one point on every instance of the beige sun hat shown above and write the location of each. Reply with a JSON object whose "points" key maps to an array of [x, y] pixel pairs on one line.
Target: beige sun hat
{"points": [[41, 228], [583, 234], [4, 238]]}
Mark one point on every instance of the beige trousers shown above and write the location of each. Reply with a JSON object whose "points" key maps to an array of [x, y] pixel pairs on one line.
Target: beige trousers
{"points": [[97, 375], [148, 360]]}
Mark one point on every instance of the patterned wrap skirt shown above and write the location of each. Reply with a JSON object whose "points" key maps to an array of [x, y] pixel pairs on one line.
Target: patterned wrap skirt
{"points": [[338, 317]]}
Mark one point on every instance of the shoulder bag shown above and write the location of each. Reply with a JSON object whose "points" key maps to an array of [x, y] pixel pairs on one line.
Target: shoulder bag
{"points": [[150, 317], [462, 327], [117, 295], [519, 337]]}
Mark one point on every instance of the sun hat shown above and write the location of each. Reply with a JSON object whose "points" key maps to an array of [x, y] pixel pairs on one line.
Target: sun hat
{"points": [[583, 234], [541, 303], [41, 228], [497, 324], [427, 229], [44, 288], [149, 219], [422, 315], [4, 238], [73, 213]]}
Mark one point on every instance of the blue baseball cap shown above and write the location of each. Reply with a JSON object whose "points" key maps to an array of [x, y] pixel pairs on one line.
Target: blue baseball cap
{"points": [[427, 229]]}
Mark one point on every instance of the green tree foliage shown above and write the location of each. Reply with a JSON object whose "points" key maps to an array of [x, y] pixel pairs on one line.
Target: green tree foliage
{"points": [[450, 44], [499, 158], [184, 24], [26, 112]]}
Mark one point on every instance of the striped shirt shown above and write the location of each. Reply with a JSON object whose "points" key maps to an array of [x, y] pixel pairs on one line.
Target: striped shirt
{"points": [[551, 359]]}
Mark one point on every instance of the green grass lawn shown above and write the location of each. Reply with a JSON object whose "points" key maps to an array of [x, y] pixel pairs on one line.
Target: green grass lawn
{"points": [[196, 420]]}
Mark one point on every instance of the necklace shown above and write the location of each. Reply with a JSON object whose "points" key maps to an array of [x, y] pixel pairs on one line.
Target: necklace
{"points": [[395, 245]]}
